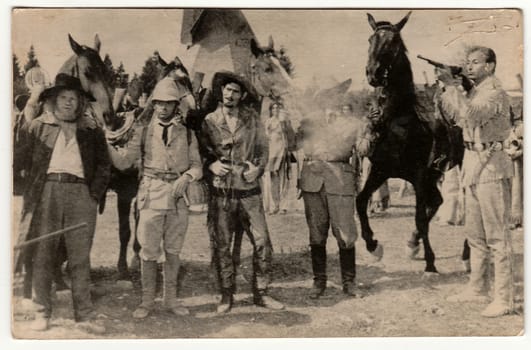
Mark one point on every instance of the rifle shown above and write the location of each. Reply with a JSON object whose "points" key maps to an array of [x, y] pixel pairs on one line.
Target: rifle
{"points": [[454, 70]]}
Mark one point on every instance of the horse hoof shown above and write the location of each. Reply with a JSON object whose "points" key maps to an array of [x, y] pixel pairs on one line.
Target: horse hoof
{"points": [[134, 266], [412, 250], [430, 275], [378, 252], [466, 265]]}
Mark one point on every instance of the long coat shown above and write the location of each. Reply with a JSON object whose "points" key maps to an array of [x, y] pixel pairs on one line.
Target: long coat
{"points": [[42, 134]]}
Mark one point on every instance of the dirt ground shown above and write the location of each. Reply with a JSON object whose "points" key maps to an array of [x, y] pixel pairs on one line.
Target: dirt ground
{"points": [[399, 300]]}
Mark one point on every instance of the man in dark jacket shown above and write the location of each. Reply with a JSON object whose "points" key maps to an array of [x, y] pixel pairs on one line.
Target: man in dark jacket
{"points": [[68, 169], [235, 150]]}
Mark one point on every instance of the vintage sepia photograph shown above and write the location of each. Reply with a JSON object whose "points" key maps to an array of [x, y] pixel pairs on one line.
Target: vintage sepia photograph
{"points": [[190, 173]]}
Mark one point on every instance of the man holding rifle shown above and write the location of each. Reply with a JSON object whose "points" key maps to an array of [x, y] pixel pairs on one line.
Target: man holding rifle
{"points": [[68, 171], [483, 113]]}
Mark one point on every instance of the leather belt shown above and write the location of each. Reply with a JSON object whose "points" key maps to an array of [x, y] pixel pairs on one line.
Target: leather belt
{"points": [[65, 178], [234, 193], [163, 177], [310, 159], [475, 146]]}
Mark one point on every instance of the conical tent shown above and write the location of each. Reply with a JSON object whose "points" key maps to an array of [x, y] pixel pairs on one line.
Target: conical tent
{"points": [[224, 40]]}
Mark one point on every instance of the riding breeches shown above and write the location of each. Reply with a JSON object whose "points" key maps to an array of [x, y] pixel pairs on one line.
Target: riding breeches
{"points": [[166, 226], [324, 210]]}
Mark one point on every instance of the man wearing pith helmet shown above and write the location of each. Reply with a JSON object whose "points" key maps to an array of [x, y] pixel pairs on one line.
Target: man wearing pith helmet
{"points": [[169, 160]]}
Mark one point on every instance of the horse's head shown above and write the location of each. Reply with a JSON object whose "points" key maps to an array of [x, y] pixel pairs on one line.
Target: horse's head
{"points": [[86, 64], [270, 70], [385, 46], [178, 72]]}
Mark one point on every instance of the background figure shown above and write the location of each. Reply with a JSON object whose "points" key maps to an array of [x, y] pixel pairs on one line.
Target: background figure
{"points": [[451, 212], [281, 138], [515, 151]]}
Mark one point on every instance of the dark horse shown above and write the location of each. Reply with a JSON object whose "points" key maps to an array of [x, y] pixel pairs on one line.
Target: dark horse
{"points": [[125, 183], [404, 147]]}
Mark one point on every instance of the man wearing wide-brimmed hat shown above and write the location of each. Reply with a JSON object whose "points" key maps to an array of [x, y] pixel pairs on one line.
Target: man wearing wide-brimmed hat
{"points": [[68, 169], [235, 151], [169, 160]]}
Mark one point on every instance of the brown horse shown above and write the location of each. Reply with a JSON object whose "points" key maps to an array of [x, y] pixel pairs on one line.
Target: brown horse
{"points": [[86, 64]]}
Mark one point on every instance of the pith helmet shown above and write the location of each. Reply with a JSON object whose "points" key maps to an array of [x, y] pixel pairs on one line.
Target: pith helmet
{"points": [[166, 90]]}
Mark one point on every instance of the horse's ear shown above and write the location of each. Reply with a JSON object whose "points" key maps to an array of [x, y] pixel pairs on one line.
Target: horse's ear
{"points": [[97, 43], [255, 49], [402, 22], [271, 44], [159, 59], [178, 61], [372, 21], [74, 45]]}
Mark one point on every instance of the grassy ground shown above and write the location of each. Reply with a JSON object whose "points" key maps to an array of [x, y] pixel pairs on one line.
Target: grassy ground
{"points": [[398, 299]]}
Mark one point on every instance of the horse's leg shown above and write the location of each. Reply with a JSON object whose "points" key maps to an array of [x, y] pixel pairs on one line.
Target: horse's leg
{"points": [[423, 190], [135, 262], [373, 182], [465, 257], [434, 201], [124, 230]]}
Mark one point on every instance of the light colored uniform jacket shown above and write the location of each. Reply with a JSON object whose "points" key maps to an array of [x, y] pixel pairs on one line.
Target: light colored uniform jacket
{"points": [[158, 161]]}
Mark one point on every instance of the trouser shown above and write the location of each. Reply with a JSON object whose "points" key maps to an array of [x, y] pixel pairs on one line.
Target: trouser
{"points": [[487, 219], [63, 205], [166, 226], [322, 211], [161, 231], [226, 214]]}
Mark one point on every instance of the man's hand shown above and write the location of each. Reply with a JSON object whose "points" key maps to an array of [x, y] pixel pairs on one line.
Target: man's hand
{"points": [[36, 89], [180, 185], [252, 173], [219, 169], [446, 77]]}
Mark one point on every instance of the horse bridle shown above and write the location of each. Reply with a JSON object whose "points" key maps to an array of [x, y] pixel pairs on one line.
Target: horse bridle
{"points": [[255, 76], [394, 56]]}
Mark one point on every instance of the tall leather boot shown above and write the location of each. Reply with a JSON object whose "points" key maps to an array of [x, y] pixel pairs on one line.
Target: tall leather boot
{"points": [[477, 288], [171, 270], [347, 261], [319, 271], [149, 279], [225, 304], [502, 303]]}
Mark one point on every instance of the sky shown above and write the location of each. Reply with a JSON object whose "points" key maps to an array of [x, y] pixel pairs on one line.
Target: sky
{"points": [[330, 45]]}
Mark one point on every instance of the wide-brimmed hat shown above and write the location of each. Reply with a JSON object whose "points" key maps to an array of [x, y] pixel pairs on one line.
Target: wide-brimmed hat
{"points": [[65, 82], [222, 78]]}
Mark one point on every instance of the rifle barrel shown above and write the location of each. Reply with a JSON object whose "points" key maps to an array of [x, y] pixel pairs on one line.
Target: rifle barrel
{"points": [[50, 235]]}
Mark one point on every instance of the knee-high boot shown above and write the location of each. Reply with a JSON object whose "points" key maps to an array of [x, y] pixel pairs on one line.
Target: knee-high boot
{"points": [[319, 271], [149, 278], [171, 270], [347, 261]]}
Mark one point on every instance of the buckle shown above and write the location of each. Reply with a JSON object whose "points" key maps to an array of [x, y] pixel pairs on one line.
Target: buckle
{"points": [[479, 146]]}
